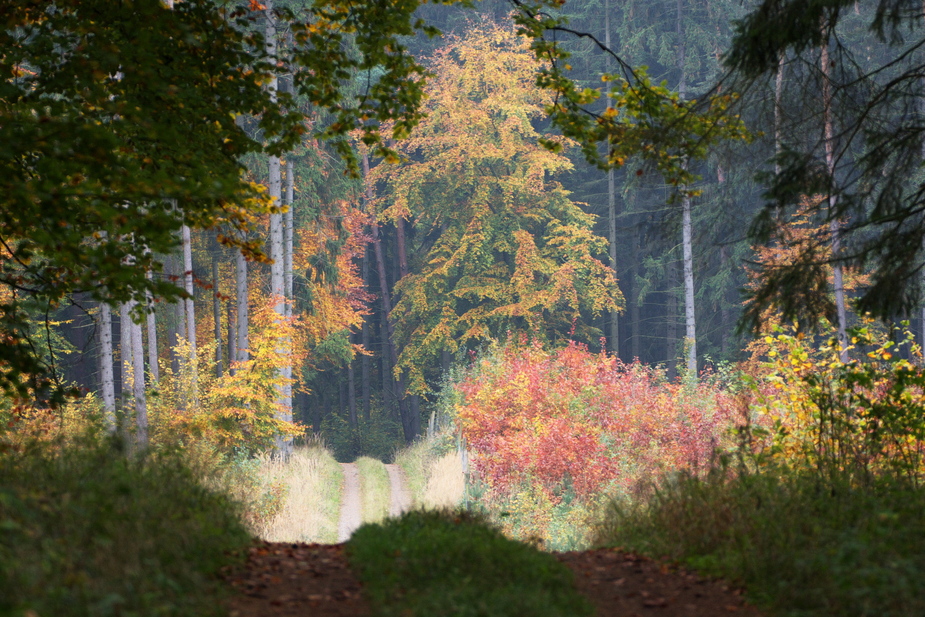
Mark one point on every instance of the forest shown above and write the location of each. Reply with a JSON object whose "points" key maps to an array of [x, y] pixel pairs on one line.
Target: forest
{"points": [[651, 270]]}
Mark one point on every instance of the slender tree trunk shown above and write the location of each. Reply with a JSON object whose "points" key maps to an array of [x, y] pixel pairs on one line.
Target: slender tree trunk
{"points": [[190, 306], [365, 372], [107, 386], [277, 268], [690, 318], [352, 395], [288, 230], [151, 326], [217, 313], [671, 334], [175, 319], [779, 111], [231, 336], [240, 271], [125, 353], [611, 209], [834, 225], [138, 384]]}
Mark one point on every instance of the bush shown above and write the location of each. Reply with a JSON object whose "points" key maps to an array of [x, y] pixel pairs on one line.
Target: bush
{"points": [[552, 431], [430, 564], [802, 545], [86, 531]]}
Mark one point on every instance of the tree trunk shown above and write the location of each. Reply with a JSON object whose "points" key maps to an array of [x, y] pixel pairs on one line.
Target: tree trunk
{"points": [[614, 334], [231, 336], [190, 306], [138, 384], [125, 354], [671, 314], [834, 224], [151, 326], [690, 341], [240, 272], [389, 349], [107, 386], [277, 268], [690, 318], [217, 313], [365, 369]]}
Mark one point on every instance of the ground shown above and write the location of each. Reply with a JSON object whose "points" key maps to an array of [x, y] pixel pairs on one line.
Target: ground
{"points": [[302, 580]]}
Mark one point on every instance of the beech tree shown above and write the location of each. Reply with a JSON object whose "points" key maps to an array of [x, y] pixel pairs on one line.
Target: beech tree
{"points": [[504, 249]]}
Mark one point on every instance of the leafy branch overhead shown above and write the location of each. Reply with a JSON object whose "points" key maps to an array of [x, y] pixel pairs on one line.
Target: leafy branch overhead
{"points": [[635, 118]]}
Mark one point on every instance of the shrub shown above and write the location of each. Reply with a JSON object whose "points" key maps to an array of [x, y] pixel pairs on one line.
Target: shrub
{"points": [[86, 531], [430, 564], [552, 431]]}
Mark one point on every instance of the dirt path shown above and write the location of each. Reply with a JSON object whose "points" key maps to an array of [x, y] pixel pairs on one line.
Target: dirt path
{"points": [[295, 580], [350, 510], [401, 496]]}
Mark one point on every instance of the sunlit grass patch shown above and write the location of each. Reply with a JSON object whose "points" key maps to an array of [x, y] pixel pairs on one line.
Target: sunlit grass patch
{"points": [[310, 511]]}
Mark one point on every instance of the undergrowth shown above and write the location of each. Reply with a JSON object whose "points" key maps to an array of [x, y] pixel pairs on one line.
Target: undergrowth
{"points": [[801, 544], [431, 564], [84, 530]]}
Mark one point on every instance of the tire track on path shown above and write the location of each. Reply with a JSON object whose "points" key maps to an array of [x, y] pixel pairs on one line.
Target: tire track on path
{"points": [[350, 510], [400, 495]]}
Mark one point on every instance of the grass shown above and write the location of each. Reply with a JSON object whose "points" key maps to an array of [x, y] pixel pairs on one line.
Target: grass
{"points": [[375, 489], [433, 564], [310, 511], [803, 545], [435, 479], [84, 530]]}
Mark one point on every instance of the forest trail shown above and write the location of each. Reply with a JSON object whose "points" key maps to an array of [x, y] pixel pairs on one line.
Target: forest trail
{"points": [[400, 500], [351, 515]]}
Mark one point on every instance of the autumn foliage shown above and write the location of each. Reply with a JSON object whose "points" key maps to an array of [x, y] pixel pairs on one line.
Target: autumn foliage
{"points": [[549, 427]]}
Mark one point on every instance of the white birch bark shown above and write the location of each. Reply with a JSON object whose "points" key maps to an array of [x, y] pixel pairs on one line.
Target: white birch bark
{"points": [[689, 308], [687, 240], [190, 311], [151, 324], [107, 383]]}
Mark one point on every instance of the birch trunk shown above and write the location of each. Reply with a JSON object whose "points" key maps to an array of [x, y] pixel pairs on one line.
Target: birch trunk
{"points": [[190, 309], [151, 326], [365, 368], [834, 224], [687, 236], [107, 385]]}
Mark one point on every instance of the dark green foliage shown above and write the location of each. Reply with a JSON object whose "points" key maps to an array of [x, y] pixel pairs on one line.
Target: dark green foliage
{"points": [[432, 564], [379, 437], [85, 531], [801, 545]]}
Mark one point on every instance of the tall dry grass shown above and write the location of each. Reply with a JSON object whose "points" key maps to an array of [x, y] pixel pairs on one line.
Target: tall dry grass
{"points": [[311, 510], [435, 480]]}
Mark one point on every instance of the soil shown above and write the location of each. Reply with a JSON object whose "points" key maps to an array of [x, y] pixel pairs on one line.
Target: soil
{"points": [[302, 580]]}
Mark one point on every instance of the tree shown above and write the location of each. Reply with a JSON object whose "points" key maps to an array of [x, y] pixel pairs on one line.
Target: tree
{"points": [[504, 249], [875, 181], [85, 151]]}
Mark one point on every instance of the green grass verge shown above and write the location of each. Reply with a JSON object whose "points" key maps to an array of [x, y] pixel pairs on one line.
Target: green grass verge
{"points": [[375, 490], [802, 545], [85, 531], [431, 564]]}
